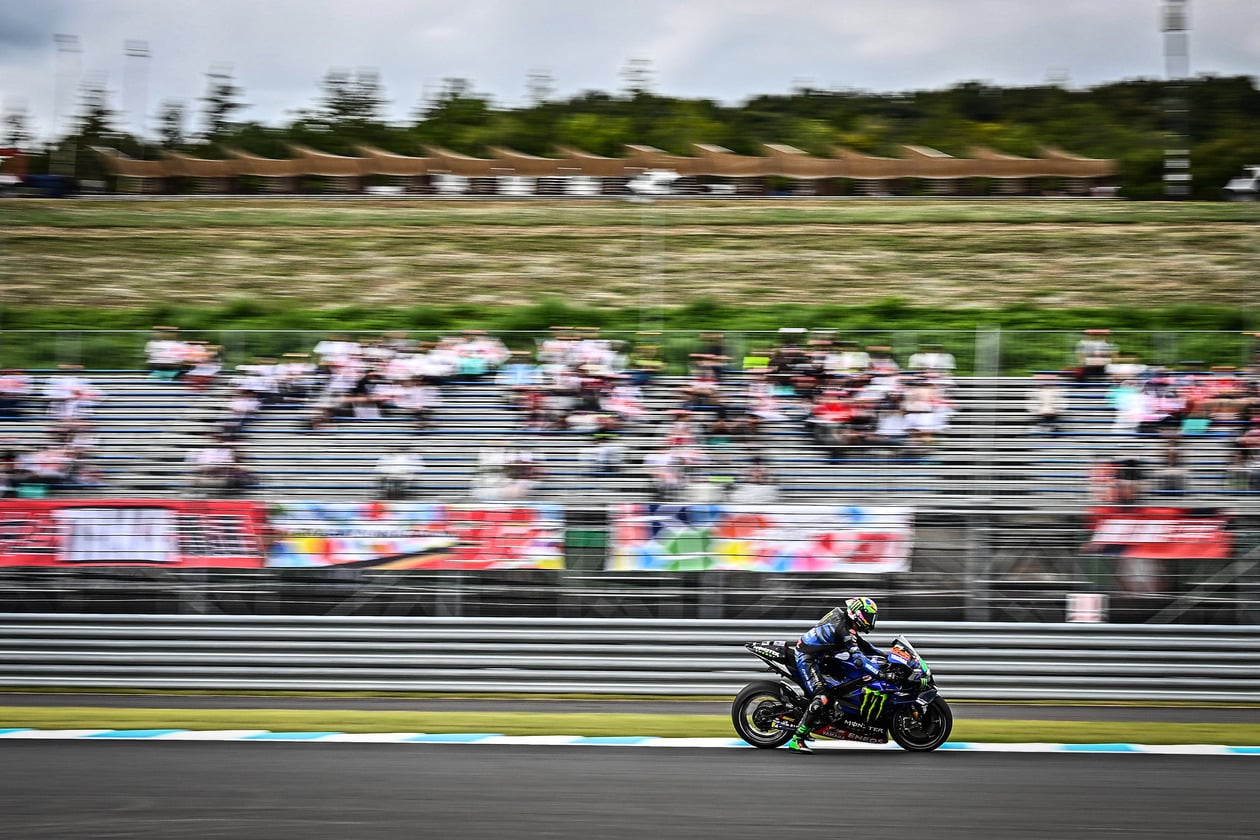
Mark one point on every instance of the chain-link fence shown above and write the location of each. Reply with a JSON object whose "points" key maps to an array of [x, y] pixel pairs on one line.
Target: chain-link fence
{"points": [[972, 566]]}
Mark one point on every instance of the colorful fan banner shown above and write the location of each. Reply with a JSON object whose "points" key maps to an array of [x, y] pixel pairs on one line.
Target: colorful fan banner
{"points": [[780, 538], [413, 535]]}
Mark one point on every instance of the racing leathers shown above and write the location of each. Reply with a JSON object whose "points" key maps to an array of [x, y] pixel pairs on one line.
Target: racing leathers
{"points": [[834, 635]]}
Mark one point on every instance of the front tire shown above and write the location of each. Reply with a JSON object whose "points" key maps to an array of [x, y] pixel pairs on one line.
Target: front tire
{"points": [[926, 732], [754, 712]]}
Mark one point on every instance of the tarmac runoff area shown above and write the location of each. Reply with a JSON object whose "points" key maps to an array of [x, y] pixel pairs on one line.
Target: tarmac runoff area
{"points": [[90, 789]]}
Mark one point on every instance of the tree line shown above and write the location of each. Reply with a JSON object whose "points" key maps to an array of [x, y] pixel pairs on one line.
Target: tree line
{"points": [[1124, 120]]}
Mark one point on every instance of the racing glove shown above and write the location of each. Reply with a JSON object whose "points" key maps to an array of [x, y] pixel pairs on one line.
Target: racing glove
{"points": [[860, 660]]}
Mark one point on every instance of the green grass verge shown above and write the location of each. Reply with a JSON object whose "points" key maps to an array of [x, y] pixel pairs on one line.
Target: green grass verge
{"points": [[519, 723], [306, 213], [601, 698]]}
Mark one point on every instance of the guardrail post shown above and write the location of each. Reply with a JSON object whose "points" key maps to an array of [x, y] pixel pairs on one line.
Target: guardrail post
{"points": [[712, 605], [450, 599]]}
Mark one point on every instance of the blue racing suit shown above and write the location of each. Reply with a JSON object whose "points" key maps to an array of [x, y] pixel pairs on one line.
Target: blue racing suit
{"points": [[833, 635]]}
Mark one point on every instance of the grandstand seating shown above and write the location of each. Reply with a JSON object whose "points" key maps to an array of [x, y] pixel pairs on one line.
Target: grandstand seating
{"points": [[990, 459]]}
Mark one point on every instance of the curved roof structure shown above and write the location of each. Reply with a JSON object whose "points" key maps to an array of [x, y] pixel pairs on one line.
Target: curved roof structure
{"points": [[530, 165], [643, 158], [715, 161], [322, 163], [129, 167], [191, 167], [595, 166], [248, 164], [381, 162], [791, 162], [454, 163]]}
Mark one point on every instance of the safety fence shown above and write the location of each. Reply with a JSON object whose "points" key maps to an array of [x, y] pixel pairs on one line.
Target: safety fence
{"points": [[640, 657], [1160, 565]]}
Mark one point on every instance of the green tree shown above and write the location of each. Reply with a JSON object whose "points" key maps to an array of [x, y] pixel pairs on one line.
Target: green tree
{"points": [[171, 117], [594, 133], [17, 128], [454, 115], [352, 99], [95, 120], [222, 100]]}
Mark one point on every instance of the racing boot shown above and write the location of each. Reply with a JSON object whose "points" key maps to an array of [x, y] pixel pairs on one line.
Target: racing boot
{"points": [[799, 745], [800, 738]]}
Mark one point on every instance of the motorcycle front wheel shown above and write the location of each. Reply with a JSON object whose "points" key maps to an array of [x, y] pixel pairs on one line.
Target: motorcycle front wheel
{"points": [[755, 710], [925, 732]]}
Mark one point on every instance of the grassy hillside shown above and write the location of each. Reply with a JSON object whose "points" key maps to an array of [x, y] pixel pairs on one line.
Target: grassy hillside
{"points": [[951, 255]]}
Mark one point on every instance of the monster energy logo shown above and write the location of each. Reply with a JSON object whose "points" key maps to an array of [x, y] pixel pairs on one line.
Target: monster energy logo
{"points": [[872, 703]]}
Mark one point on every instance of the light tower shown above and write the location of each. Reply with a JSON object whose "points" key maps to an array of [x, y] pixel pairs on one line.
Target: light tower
{"points": [[63, 156], [136, 82], [1175, 24]]}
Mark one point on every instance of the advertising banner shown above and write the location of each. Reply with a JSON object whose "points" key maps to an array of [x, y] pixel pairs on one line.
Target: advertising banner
{"points": [[1155, 533], [766, 538], [413, 535], [175, 533]]}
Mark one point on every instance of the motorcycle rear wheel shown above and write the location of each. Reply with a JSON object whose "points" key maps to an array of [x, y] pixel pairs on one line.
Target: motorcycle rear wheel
{"points": [[925, 733], [752, 713]]}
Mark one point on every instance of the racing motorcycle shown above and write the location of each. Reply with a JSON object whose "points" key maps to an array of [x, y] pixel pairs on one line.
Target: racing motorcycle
{"points": [[900, 702]]}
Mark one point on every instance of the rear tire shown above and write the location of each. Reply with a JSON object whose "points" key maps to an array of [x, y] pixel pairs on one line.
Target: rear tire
{"points": [[925, 733], [754, 711]]}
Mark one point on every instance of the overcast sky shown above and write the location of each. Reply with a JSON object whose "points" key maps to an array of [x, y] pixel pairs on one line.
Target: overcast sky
{"points": [[278, 50]]}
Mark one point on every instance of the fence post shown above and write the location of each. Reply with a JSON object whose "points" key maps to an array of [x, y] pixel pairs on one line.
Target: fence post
{"points": [[988, 369], [976, 569]]}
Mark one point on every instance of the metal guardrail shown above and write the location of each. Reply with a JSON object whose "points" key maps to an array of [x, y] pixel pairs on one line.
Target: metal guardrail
{"points": [[603, 656]]}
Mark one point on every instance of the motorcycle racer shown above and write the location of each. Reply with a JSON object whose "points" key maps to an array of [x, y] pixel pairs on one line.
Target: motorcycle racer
{"points": [[835, 634]]}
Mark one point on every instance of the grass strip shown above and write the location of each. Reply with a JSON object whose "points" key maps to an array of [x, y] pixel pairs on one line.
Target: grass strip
{"points": [[724, 702], [535, 723]]}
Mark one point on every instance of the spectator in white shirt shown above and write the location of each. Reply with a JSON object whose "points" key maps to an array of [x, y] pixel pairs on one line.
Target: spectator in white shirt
{"points": [[396, 472], [212, 465], [15, 389], [1046, 403], [932, 358]]}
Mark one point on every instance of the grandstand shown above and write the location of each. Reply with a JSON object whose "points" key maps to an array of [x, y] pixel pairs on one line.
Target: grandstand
{"points": [[990, 459]]}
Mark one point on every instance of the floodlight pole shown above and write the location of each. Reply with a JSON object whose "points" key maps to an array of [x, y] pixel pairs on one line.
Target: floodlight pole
{"points": [[67, 51], [137, 53], [1176, 27]]}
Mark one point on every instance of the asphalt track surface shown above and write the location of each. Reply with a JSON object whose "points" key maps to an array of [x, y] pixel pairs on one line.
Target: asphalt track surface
{"points": [[75, 790], [973, 711]]}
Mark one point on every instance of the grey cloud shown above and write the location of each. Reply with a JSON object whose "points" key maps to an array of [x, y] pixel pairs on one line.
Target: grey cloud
{"points": [[722, 49], [28, 25]]}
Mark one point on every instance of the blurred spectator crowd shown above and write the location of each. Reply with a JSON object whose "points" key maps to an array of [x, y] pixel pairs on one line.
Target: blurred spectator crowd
{"points": [[1173, 405], [704, 437]]}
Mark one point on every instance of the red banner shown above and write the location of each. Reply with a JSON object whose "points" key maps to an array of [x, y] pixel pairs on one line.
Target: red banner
{"points": [[1159, 533], [167, 533]]}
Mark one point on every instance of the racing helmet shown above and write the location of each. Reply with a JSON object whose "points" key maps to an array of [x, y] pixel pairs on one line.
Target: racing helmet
{"points": [[861, 612]]}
